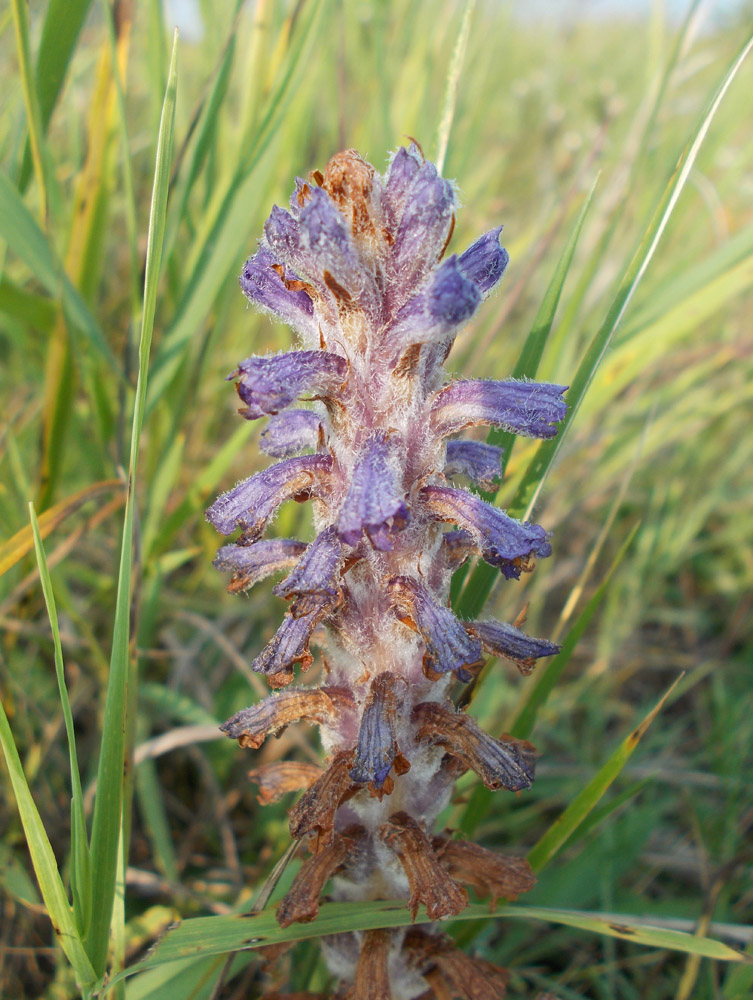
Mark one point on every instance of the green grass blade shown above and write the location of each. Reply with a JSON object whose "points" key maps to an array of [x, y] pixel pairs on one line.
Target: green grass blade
{"points": [[481, 581], [566, 824], [545, 682], [26, 239], [533, 349], [451, 85], [45, 865], [39, 153], [469, 601], [108, 803], [62, 26], [80, 859], [205, 936], [481, 797], [533, 481]]}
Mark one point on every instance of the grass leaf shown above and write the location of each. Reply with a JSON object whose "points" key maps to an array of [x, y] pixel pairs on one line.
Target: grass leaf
{"points": [[80, 859], [566, 824], [106, 828]]}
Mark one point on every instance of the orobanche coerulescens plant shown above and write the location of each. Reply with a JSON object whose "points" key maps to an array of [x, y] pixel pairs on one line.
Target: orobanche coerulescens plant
{"points": [[355, 267]]}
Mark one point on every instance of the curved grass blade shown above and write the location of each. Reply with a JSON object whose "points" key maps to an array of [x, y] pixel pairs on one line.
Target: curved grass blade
{"points": [[202, 937], [22, 543], [106, 827], [80, 859], [481, 581], [566, 824]]}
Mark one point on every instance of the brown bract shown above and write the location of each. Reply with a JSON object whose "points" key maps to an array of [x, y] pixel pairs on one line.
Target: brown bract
{"points": [[270, 717], [497, 875], [429, 882], [301, 903], [277, 779], [372, 977], [349, 181], [315, 810], [451, 973]]}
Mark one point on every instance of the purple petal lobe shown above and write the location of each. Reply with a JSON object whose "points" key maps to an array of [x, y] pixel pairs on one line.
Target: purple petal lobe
{"points": [[527, 408], [436, 312], [290, 432], [424, 228], [504, 542], [374, 503], [251, 503], [447, 645], [271, 382], [484, 261], [377, 743], [403, 171], [251, 563], [327, 238], [478, 461], [504, 640], [315, 576], [277, 293]]}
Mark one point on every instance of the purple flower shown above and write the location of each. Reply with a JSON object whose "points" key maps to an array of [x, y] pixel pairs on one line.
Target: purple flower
{"points": [[374, 503], [289, 645], [315, 577], [448, 646], [278, 291], [527, 408], [478, 461], [503, 541], [377, 741], [504, 640], [269, 384], [251, 503], [425, 226], [252, 563], [485, 261], [290, 432], [446, 303]]}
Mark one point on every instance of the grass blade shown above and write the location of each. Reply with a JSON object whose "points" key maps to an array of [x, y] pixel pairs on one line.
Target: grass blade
{"points": [[80, 859], [45, 864], [22, 543], [106, 828], [523, 725], [205, 936], [62, 26], [26, 239], [533, 481], [580, 807], [451, 85], [481, 581], [39, 153]]}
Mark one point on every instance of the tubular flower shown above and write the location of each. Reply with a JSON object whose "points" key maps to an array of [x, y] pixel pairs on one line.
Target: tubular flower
{"points": [[359, 417]]}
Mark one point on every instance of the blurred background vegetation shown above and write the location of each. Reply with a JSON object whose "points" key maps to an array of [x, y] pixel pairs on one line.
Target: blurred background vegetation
{"points": [[548, 98]]}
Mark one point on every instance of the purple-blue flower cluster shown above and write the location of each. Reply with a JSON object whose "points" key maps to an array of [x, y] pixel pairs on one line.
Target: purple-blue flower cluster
{"points": [[355, 267]]}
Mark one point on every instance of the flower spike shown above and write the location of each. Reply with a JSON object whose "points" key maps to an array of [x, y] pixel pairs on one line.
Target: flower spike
{"points": [[363, 420]]}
